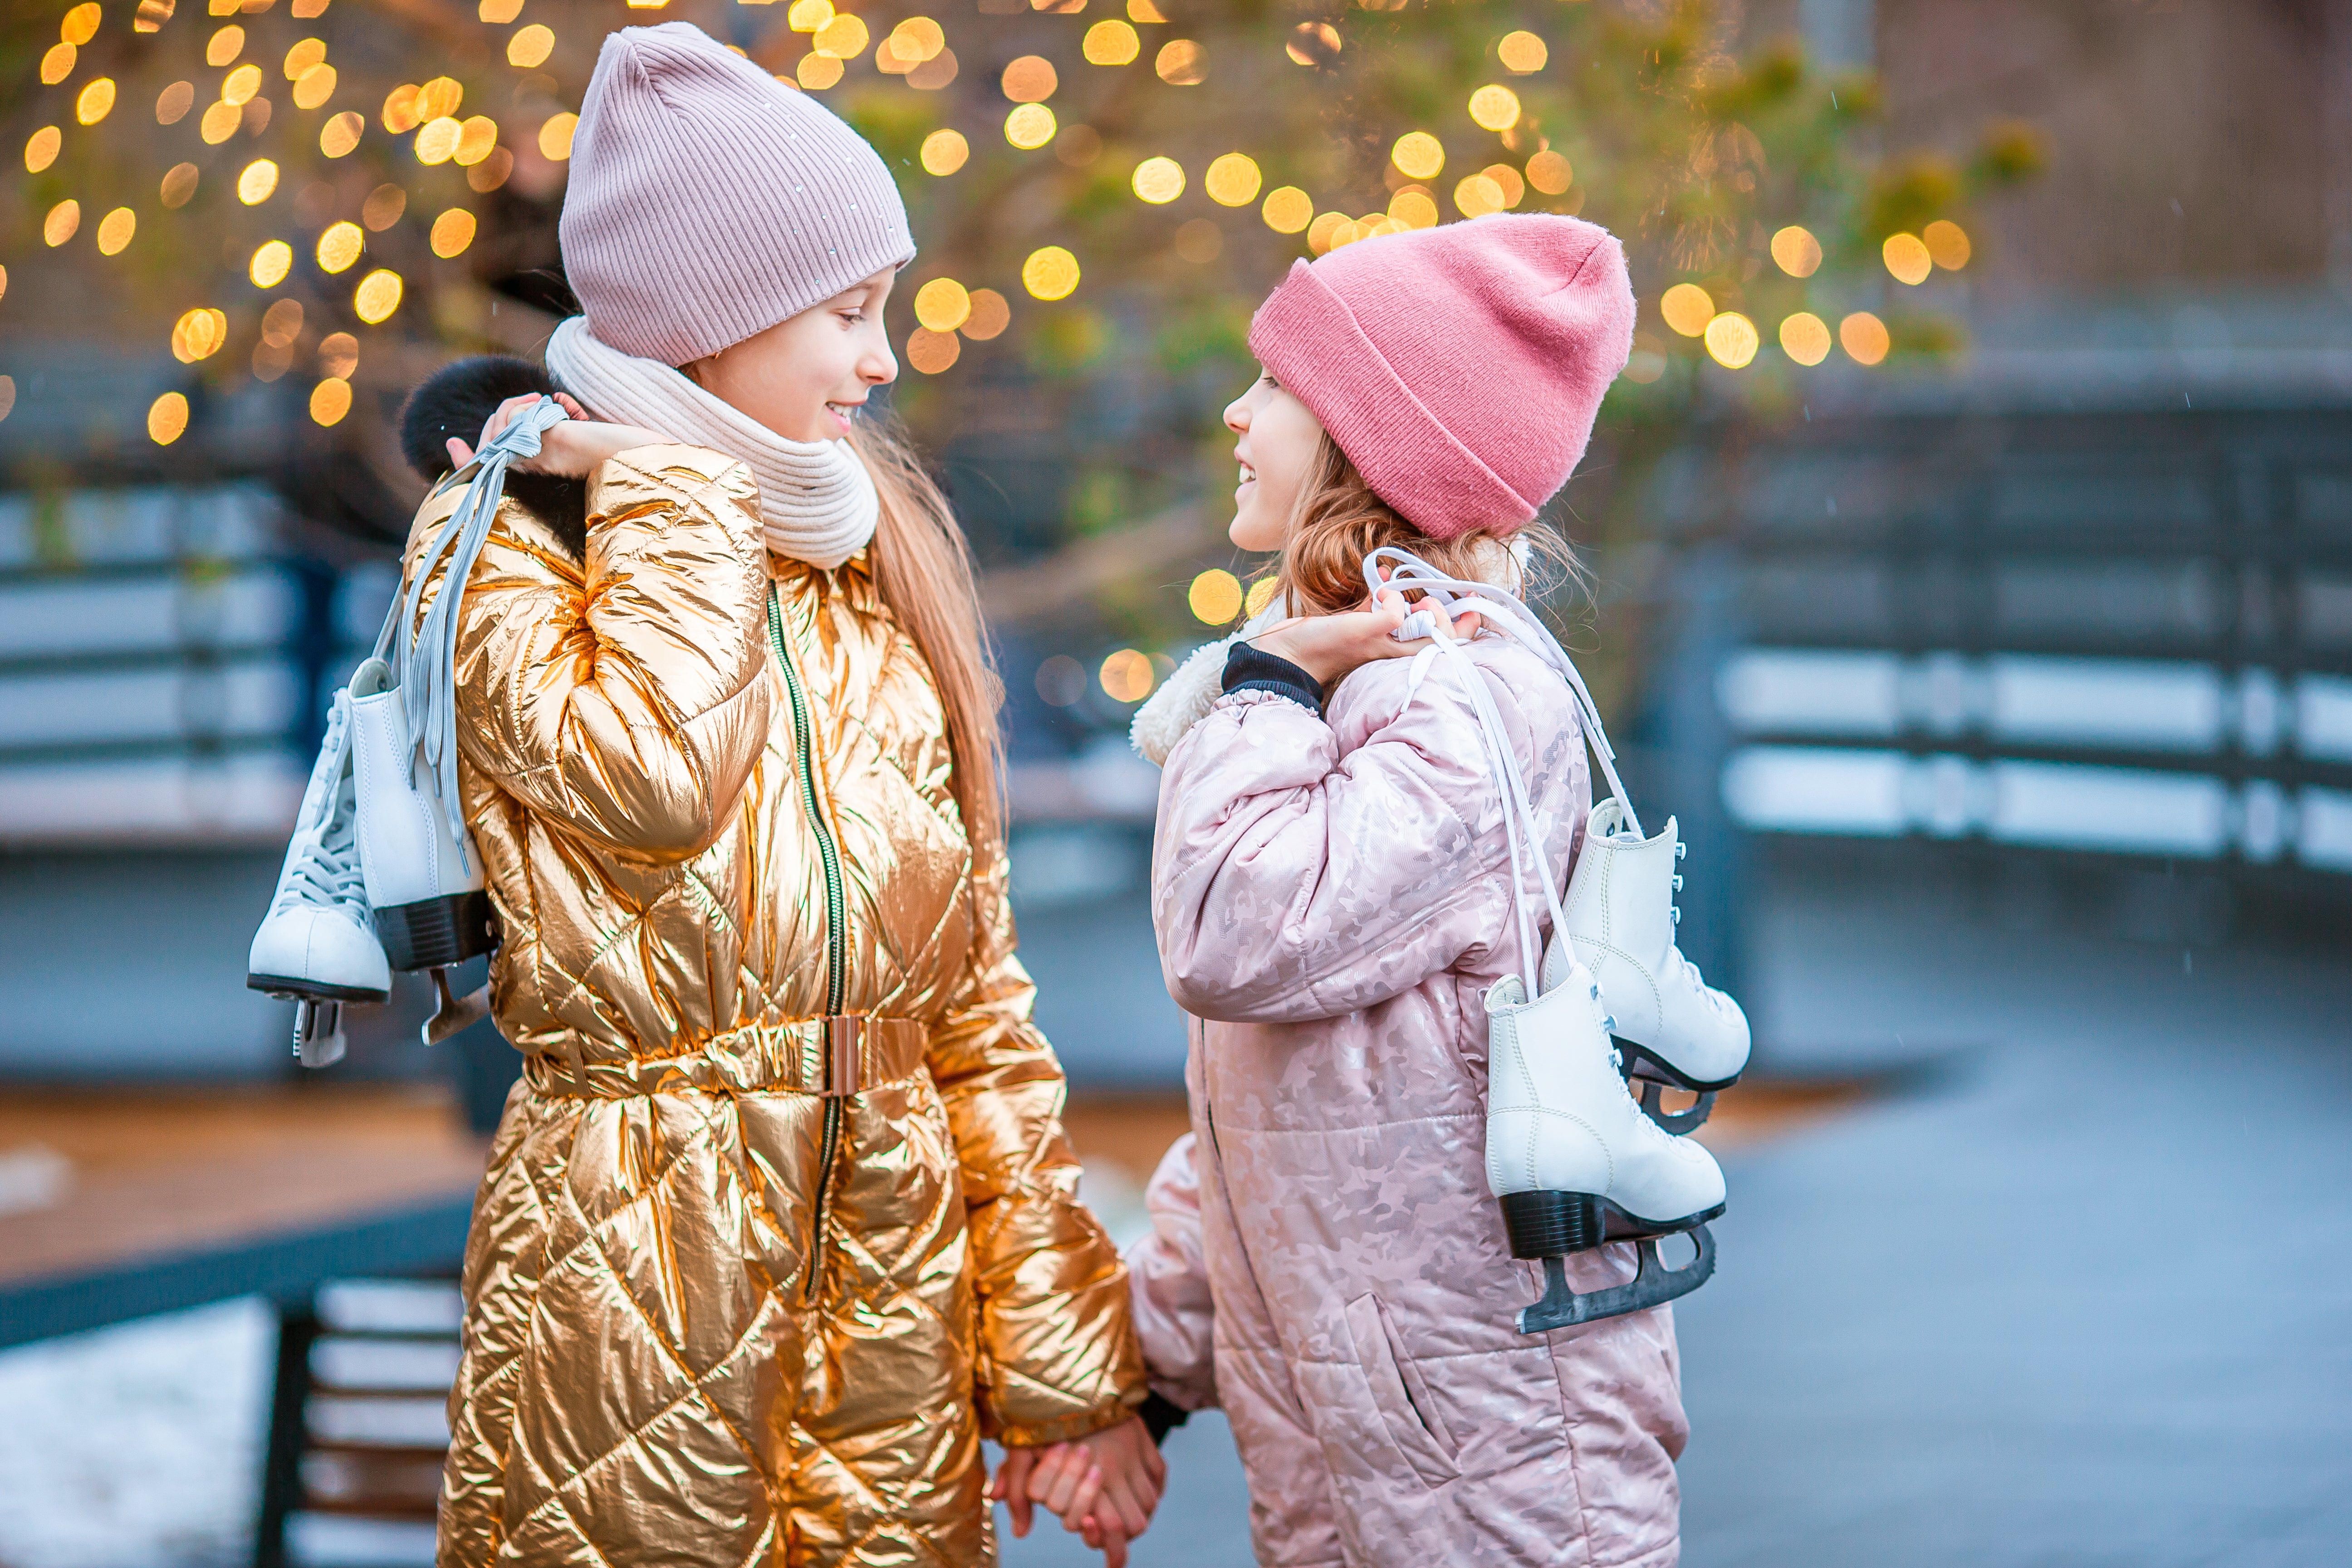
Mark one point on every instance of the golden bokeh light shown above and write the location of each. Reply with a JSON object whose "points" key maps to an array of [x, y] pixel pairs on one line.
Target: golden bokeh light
{"points": [[220, 123], [115, 230], [1506, 180], [270, 360], [1214, 597], [942, 305], [498, 13], [256, 184], [338, 355], [1030, 126], [816, 72], [1797, 252], [167, 419], [1050, 273], [240, 86], [1287, 209], [1805, 338], [304, 57], [172, 104], [453, 231], [330, 400], [1732, 339], [1261, 593], [224, 46], [944, 152], [1143, 11], [179, 185], [555, 136], [382, 207], [1687, 309], [842, 39], [492, 173], [198, 334], [80, 23], [342, 133], [1158, 179], [1233, 180], [932, 351], [63, 219], [1550, 173], [341, 245], [1494, 107], [313, 90], [809, 15], [1320, 233], [1127, 676], [377, 297], [96, 102], [1419, 154], [1865, 338], [991, 312], [400, 116], [436, 140], [1476, 196], [1522, 53], [1415, 208], [439, 99], [476, 136], [1030, 79], [1111, 43], [1181, 63], [270, 264], [58, 64], [1313, 44], [1907, 258], [41, 148], [282, 323], [917, 38], [934, 73], [530, 45], [1947, 244]]}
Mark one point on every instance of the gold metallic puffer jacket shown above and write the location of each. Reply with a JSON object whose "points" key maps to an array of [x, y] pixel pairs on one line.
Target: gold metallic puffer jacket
{"points": [[781, 1220]]}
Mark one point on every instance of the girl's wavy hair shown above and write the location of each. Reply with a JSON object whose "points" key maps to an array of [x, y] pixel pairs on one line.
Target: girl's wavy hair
{"points": [[1337, 520]]}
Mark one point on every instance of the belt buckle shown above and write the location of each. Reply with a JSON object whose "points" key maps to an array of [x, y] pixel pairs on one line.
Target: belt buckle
{"points": [[844, 1034]]}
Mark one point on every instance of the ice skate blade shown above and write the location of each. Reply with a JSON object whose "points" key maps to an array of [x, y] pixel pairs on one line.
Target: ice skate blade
{"points": [[454, 1014], [1677, 1123], [294, 988], [1654, 1286], [318, 1038], [1643, 1062]]}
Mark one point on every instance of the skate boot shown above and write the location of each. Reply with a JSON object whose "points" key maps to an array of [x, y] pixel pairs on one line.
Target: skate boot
{"points": [[430, 906], [316, 946], [1675, 1029], [1575, 1161]]}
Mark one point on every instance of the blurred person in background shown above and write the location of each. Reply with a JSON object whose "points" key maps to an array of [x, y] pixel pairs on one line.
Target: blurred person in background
{"points": [[1332, 890], [781, 1221]]}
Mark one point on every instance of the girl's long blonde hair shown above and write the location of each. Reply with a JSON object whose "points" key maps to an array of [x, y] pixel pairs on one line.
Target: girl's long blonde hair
{"points": [[922, 566], [1338, 520]]}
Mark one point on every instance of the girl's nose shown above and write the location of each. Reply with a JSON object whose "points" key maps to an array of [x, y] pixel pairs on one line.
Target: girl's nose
{"points": [[879, 368], [1237, 416]]}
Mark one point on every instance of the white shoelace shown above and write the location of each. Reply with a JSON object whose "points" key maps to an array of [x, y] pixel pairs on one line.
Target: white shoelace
{"points": [[328, 868]]}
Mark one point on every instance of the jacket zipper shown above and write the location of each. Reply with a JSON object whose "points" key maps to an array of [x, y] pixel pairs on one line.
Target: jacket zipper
{"points": [[836, 915]]}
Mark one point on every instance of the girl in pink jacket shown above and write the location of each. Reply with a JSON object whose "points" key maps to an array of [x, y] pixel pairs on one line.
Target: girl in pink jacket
{"points": [[1332, 893]]}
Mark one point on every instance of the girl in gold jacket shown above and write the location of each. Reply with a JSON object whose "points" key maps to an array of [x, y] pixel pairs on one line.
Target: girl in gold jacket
{"points": [[781, 1220]]}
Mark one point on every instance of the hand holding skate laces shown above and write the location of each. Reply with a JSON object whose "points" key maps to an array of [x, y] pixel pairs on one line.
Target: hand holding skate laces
{"points": [[380, 840], [1573, 1160]]}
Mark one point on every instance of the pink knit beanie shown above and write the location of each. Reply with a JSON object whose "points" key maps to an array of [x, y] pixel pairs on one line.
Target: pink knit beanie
{"points": [[1458, 367], [708, 201]]}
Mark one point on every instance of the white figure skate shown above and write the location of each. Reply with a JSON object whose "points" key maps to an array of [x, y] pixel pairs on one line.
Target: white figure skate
{"points": [[315, 946], [1674, 1029], [1576, 1163]]}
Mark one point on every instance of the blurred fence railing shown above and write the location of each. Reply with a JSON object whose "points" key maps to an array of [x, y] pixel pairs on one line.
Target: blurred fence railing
{"points": [[2123, 634]]}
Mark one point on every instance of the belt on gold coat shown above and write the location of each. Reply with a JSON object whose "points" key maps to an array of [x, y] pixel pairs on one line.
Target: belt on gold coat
{"points": [[839, 1056]]}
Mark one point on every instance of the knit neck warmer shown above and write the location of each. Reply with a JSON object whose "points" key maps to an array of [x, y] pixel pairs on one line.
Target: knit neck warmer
{"points": [[817, 501]]}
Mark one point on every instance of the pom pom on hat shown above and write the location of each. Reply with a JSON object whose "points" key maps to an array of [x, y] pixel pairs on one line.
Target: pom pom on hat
{"points": [[1460, 367], [708, 201]]}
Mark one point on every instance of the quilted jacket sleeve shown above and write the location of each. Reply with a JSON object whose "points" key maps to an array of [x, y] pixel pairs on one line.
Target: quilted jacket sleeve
{"points": [[1175, 1317], [1293, 878], [624, 698], [1057, 1350]]}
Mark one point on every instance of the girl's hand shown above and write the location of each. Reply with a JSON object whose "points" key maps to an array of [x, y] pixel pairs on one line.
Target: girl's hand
{"points": [[1105, 1486], [575, 447], [1329, 647]]}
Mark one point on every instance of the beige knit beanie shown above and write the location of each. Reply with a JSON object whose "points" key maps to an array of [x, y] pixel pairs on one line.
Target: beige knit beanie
{"points": [[708, 201]]}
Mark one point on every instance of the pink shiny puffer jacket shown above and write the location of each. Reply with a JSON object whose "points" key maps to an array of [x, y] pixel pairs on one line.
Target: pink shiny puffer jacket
{"points": [[1327, 1264]]}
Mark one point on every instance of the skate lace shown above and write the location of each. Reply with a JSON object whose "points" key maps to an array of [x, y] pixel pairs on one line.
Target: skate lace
{"points": [[426, 657], [325, 868]]}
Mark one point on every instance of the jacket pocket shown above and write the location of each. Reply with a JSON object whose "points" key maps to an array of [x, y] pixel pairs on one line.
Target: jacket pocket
{"points": [[1399, 1395]]}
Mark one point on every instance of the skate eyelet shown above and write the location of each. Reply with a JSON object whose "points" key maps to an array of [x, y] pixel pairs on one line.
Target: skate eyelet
{"points": [[1675, 914], [1678, 881]]}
